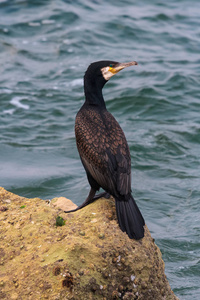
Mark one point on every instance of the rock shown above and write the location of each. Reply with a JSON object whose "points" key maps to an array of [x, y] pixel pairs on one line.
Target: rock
{"points": [[63, 203], [40, 260]]}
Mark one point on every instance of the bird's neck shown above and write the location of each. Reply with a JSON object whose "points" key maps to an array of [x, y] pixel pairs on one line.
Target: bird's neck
{"points": [[93, 93]]}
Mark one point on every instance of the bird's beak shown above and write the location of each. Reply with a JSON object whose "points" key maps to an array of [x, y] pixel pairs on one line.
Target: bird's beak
{"points": [[120, 66], [108, 72]]}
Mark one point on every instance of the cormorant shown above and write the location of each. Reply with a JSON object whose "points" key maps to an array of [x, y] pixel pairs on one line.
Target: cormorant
{"points": [[104, 151]]}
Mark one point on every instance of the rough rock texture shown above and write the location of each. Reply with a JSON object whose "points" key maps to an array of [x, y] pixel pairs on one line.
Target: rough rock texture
{"points": [[87, 258]]}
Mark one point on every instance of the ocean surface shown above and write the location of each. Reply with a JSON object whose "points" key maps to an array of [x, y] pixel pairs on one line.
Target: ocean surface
{"points": [[45, 48]]}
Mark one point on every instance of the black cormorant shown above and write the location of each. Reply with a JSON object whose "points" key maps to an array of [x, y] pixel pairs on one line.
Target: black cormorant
{"points": [[103, 149]]}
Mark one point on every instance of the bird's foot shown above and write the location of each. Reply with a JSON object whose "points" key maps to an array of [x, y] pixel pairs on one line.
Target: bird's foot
{"points": [[101, 195], [90, 200]]}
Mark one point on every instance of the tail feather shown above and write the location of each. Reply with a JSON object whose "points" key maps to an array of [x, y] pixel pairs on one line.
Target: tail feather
{"points": [[130, 218], [119, 217], [125, 221]]}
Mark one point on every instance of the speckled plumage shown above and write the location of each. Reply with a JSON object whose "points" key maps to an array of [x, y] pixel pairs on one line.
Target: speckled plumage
{"points": [[104, 150]]}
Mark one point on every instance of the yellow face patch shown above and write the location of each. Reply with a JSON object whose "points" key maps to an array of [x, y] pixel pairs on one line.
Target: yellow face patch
{"points": [[113, 70]]}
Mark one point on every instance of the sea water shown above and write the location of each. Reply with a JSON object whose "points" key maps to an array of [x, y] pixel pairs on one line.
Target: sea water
{"points": [[45, 48]]}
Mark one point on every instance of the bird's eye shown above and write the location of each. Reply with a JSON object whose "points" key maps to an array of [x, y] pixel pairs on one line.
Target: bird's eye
{"points": [[111, 65]]}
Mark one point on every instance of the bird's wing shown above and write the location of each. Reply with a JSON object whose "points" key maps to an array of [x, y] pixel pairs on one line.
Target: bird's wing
{"points": [[104, 151]]}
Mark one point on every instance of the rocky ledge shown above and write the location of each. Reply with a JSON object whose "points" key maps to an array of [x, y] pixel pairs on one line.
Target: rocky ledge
{"points": [[47, 254]]}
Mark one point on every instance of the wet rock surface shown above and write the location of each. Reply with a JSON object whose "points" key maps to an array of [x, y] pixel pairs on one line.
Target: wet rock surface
{"points": [[88, 257]]}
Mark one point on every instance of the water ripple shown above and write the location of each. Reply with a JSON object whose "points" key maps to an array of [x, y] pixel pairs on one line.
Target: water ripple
{"points": [[45, 48]]}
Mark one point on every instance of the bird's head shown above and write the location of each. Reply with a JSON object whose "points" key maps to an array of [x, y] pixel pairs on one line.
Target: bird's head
{"points": [[105, 69], [97, 74]]}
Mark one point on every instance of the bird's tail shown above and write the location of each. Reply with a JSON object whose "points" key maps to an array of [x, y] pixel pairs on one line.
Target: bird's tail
{"points": [[130, 218]]}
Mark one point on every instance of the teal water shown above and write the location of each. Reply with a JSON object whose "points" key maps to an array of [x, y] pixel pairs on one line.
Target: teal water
{"points": [[45, 48]]}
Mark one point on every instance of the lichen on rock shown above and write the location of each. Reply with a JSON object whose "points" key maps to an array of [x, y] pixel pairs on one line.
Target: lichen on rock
{"points": [[88, 257]]}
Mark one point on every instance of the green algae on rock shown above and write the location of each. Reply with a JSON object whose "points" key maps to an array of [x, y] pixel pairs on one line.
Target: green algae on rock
{"points": [[39, 260], [60, 221]]}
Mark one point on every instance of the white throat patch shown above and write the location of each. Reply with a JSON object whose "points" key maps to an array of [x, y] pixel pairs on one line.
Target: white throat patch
{"points": [[107, 74]]}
